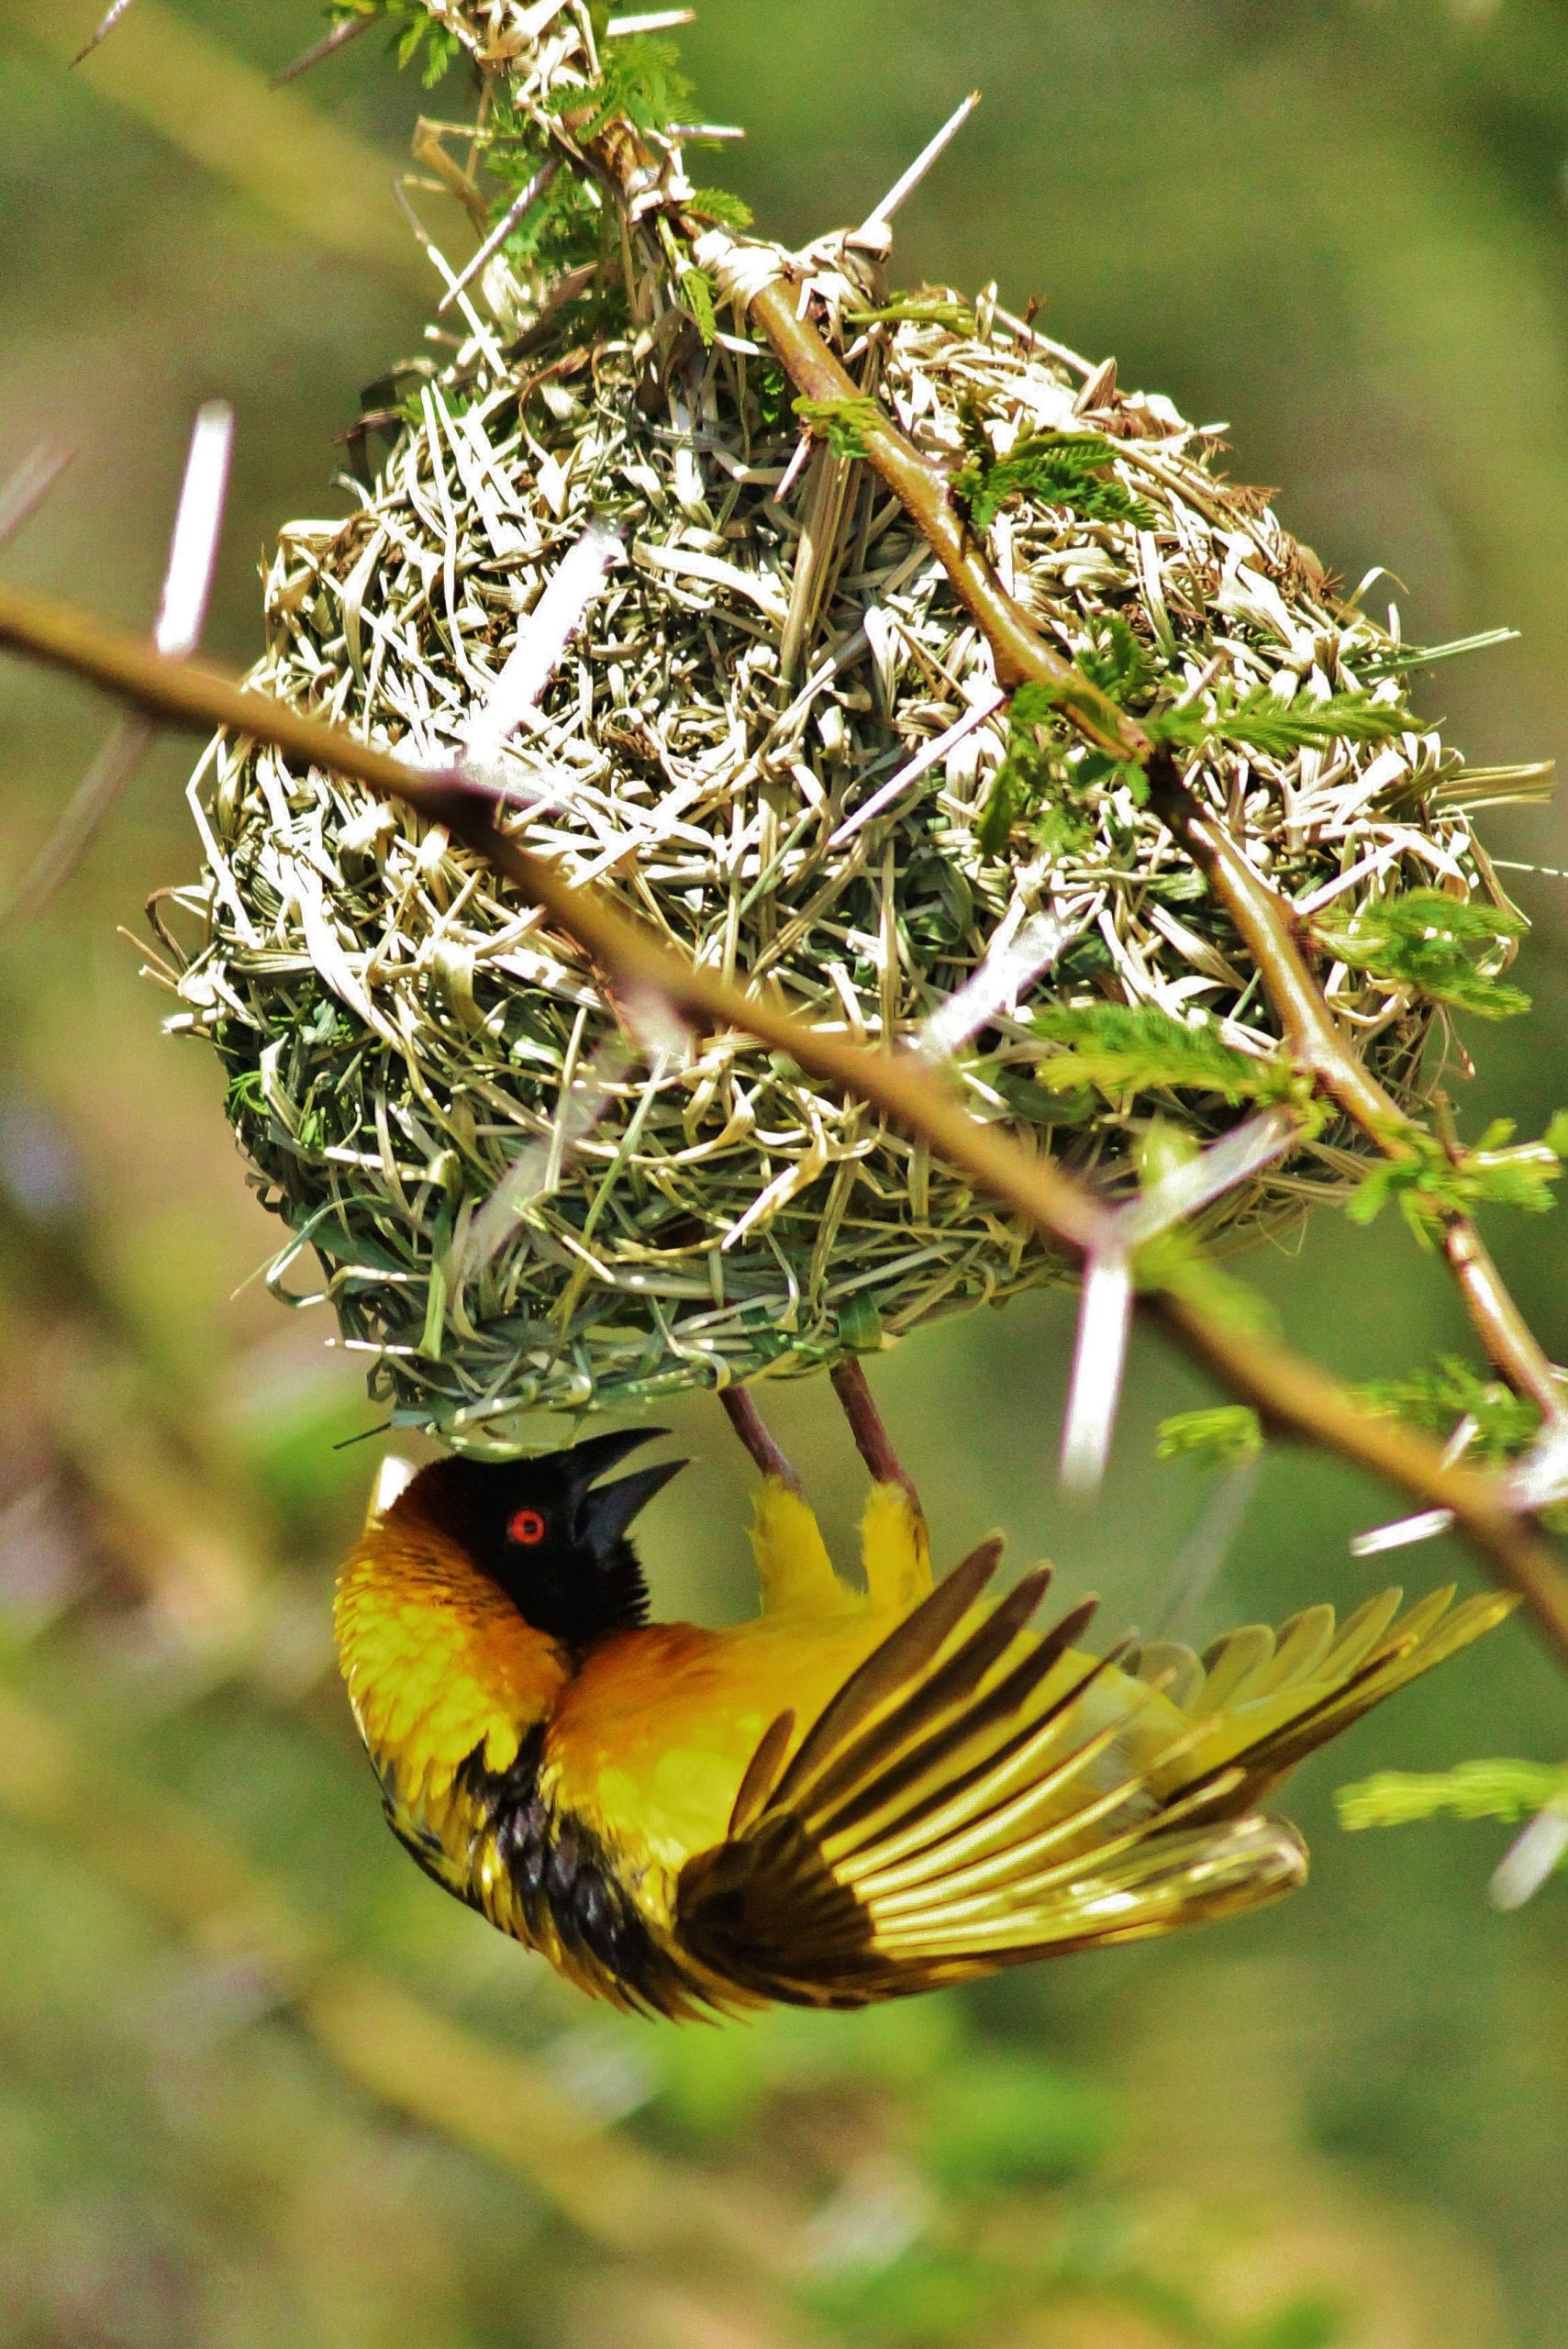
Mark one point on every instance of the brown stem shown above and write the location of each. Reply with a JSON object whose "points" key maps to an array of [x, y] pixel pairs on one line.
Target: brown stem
{"points": [[1293, 1395], [1493, 1313], [923, 492], [1260, 915], [1316, 1043], [1290, 1392], [872, 1440], [748, 1425]]}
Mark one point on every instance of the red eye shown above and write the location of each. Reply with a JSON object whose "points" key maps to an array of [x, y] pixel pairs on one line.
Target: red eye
{"points": [[527, 1528]]}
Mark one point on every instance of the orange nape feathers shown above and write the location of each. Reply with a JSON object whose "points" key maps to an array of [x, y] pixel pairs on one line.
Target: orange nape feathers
{"points": [[858, 1793], [440, 1665]]}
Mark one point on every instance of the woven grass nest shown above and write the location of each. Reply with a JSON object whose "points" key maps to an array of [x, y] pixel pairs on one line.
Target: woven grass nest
{"points": [[522, 1198]]}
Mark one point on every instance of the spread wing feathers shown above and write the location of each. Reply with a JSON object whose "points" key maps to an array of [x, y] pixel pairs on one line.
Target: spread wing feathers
{"points": [[1264, 1701], [964, 1802]]}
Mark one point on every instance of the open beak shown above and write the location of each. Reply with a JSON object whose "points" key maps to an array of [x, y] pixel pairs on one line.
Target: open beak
{"points": [[600, 1518]]}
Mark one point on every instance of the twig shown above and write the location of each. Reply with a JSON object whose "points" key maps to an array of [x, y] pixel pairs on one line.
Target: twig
{"points": [[872, 1440], [1290, 1394], [23, 491], [748, 1425], [319, 52]]}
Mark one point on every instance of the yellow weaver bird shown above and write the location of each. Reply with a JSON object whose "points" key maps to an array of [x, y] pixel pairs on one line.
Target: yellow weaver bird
{"points": [[858, 1794]]}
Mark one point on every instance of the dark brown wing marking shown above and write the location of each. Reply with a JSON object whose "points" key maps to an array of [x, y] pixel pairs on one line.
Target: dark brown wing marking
{"points": [[896, 1664]]}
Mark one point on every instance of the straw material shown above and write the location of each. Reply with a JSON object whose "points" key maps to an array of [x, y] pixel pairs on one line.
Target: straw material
{"points": [[525, 1196]]}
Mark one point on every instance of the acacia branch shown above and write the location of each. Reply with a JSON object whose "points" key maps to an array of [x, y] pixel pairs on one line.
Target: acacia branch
{"points": [[1265, 921], [1291, 1394]]}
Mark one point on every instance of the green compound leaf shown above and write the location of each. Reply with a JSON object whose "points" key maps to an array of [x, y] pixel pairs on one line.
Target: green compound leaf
{"points": [[642, 85], [696, 291], [1072, 470], [1445, 948], [844, 424], [417, 39], [1262, 720], [726, 211], [1427, 1184], [1452, 1389], [1219, 1437], [1121, 1048], [1505, 1790]]}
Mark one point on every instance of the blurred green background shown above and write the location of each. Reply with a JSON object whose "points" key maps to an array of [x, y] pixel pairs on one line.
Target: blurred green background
{"points": [[260, 2082]]}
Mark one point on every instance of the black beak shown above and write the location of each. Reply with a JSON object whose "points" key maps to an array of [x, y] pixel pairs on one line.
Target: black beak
{"points": [[585, 1462], [604, 1516], [600, 1518]]}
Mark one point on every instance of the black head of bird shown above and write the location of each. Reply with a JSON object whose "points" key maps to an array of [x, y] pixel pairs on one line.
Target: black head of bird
{"points": [[549, 1535]]}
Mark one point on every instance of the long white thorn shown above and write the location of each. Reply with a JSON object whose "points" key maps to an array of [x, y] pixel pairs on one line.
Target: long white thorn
{"points": [[105, 26], [536, 1172], [652, 20], [319, 52], [542, 639], [1199, 1181], [1530, 1858], [1541, 1478], [1425, 1526], [995, 986], [199, 523], [1201, 1558], [182, 611], [528, 194], [991, 699], [1105, 1316], [906, 184]]}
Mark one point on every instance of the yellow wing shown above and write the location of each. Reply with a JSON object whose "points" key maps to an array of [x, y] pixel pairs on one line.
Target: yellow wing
{"points": [[1264, 1700], [974, 1796]]}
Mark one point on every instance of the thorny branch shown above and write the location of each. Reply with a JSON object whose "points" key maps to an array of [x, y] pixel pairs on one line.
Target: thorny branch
{"points": [[760, 280], [1292, 1394], [1259, 912]]}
